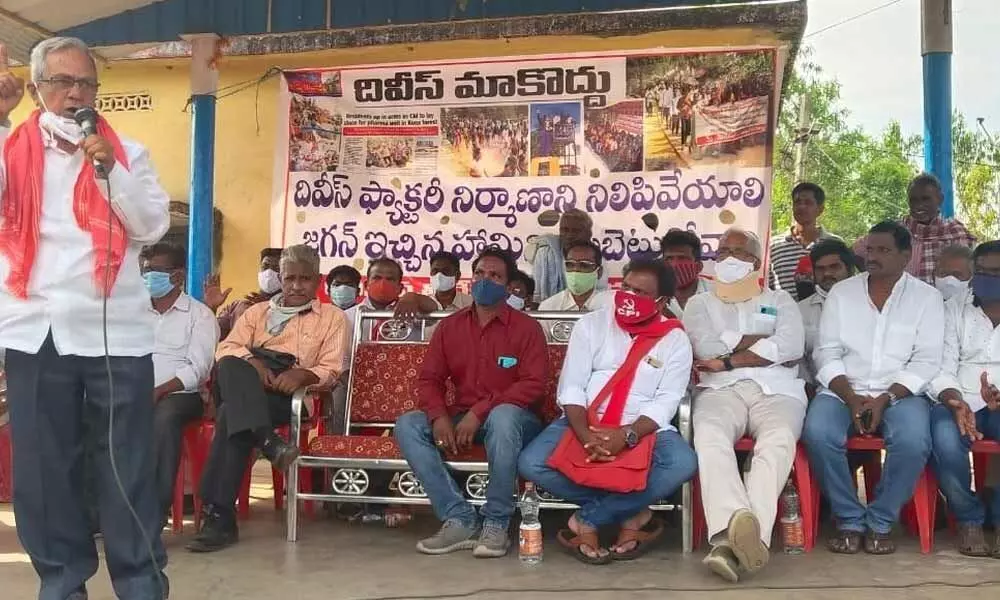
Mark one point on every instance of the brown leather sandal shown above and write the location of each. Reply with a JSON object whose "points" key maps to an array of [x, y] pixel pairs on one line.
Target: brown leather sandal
{"points": [[573, 543], [644, 538]]}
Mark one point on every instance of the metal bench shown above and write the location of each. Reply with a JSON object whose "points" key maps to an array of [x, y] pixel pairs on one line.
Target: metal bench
{"points": [[382, 386]]}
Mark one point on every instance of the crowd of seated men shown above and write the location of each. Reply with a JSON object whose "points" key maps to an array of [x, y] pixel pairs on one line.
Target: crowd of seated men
{"points": [[897, 338]]}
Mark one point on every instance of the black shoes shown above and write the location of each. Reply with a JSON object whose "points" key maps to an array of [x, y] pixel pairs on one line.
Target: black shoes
{"points": [[279, 452], [218, 531]]}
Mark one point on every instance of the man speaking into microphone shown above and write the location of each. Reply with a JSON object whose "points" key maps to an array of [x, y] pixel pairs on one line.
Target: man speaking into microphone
{"points": [[66, 248]]}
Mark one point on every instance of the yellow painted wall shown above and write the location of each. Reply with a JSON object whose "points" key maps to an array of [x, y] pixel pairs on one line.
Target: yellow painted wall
{"points": [[244, 156]]}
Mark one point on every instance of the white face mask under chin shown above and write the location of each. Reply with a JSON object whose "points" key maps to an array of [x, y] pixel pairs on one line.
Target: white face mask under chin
{"points": [[59, 126]]}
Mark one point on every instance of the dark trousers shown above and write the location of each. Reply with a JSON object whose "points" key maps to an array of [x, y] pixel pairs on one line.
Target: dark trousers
{"points": [[50, 398], [243, 407], [170, 415]]}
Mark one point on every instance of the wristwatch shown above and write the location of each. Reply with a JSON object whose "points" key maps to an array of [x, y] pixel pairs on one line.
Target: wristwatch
{"points": [[727, 362], [631, 437]]}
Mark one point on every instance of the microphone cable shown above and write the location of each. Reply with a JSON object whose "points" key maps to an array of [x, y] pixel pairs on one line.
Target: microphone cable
{"points": [[111, 393]]}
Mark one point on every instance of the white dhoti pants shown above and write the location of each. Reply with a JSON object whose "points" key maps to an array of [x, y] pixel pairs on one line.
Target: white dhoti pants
{"points": [[723, 416]]}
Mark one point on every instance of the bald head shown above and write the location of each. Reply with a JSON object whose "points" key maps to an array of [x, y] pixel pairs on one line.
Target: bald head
{"points": [[575, 226]]}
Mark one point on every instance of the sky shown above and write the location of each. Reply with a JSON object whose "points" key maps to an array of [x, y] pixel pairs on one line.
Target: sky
{"points": [[876, 58]]}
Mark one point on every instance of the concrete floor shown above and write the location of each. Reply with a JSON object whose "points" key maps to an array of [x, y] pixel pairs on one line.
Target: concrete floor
{"points": [[336, 560]]}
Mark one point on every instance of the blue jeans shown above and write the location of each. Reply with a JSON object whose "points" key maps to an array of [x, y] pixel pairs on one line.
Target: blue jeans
{"points": [[905, 428], [504, 433], [950, 460], [674, 462]]}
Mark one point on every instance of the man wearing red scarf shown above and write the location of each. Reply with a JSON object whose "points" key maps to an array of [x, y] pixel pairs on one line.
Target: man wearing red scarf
{"points": [[634, 364], [67, 252]]}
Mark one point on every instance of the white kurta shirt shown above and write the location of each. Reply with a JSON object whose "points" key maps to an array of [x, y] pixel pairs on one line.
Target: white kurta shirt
{"points": [[901, 344], [971, 347], [811, 309], [186, 336], [717, 327], [62, 295], [563, 301], [598, 347]]}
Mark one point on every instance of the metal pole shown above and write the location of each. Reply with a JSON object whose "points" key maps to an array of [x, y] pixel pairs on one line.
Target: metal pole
{"points": [[802, 138], [936, 48], [201, 221]]}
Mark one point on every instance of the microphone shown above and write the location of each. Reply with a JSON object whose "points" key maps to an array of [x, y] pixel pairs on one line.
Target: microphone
{"points": [[86, 118]]}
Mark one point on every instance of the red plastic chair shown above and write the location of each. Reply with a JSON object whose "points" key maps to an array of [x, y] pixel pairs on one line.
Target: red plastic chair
{"points": [[194, 453], [803, 483], [919, 512]]}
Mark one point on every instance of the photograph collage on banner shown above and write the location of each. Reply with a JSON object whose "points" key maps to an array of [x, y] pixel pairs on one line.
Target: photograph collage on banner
{"points": [[406, 160]]}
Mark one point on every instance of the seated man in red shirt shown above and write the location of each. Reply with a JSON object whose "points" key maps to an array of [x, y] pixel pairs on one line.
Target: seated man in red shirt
{"points": [[496, 359]]}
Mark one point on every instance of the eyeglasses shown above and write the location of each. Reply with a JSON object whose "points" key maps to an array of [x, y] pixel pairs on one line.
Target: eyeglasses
{"points": [[62, 83], [581, 266]]}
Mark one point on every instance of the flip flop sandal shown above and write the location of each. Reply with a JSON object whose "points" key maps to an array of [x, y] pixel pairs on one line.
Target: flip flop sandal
{"points": [[879, 543], [845, 542], [572, 542], [645, 538]]}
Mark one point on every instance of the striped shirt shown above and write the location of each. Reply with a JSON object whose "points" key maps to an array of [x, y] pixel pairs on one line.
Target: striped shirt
{"points": [[786, 252]]}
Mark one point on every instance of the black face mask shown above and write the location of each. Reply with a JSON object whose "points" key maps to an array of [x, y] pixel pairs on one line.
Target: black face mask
{"points": [[804, 289]]}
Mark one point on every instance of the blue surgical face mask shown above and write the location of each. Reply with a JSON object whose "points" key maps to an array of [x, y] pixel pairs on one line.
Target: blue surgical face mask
{"points": [[515, 302], [986, 288], [158, 283], [344, 296], [487, 292]]}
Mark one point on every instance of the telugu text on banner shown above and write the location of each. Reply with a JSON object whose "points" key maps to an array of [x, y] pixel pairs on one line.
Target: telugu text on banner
{"points": [[406, 160]]}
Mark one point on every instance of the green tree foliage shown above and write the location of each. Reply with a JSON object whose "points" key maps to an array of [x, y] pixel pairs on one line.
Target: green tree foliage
{"points": [[864, 175]]}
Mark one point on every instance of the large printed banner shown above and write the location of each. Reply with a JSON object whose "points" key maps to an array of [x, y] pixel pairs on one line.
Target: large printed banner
{"points": [[405, 160]]}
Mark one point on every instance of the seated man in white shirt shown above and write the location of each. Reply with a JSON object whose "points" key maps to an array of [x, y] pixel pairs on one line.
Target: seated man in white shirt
{"points": [[654, 356], [968, 407], [446, 272], [747, 342], [832, 262], [953, 271], [583, 269], [681, 250], [880, 343], [186, 335]]}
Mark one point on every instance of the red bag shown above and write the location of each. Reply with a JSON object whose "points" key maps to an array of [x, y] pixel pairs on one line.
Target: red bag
{"points": [[629, 470]]}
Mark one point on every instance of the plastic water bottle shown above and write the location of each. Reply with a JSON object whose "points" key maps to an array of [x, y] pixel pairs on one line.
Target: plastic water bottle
{"points": [[530, 535], [792, 533]]}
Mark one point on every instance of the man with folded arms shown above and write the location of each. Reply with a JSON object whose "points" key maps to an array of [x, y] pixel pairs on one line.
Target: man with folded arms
{"points": [[634, 364], [747, 342], [880, 343], [968, 407], [496, 359]]}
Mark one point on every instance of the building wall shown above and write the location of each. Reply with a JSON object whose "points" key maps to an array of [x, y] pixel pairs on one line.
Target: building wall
{"points": [[244, 155]]}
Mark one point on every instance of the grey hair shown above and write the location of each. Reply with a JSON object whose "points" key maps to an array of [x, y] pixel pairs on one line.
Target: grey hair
{"points": [[300, 254], [955, 251], [754, 246], [40, 53]]}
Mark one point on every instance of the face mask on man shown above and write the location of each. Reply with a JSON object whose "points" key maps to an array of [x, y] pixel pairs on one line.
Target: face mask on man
{"points": [[269, 281], [580, 283], [384, 291], [986, 288], [58, 125], [487, 292], [632, 309], [343, 296], [442, 283], [158, 284], [732, 270], [950, 286]]}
